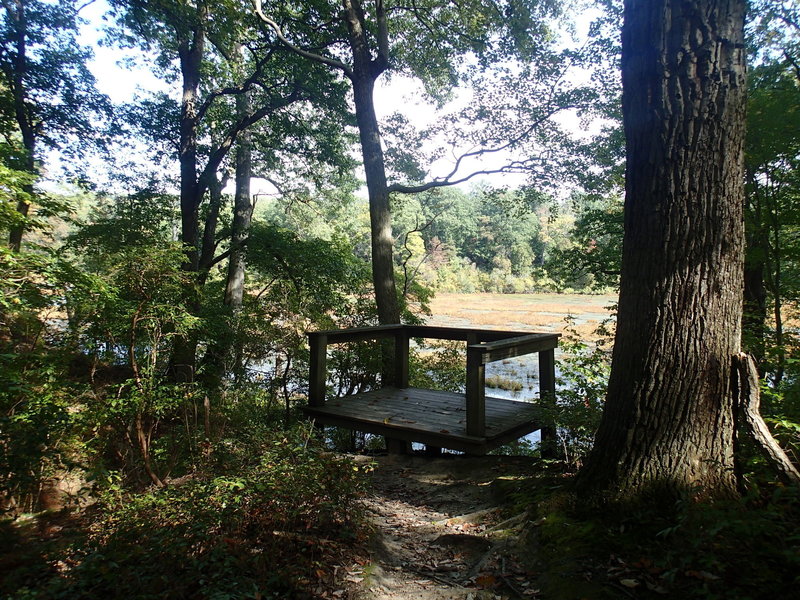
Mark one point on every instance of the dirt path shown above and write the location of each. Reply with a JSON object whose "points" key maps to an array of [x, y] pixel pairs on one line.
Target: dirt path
{"points": [[441, 531]]}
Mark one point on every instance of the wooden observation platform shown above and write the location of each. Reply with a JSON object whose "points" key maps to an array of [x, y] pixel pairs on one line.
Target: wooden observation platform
{"points": [[471, 422]]}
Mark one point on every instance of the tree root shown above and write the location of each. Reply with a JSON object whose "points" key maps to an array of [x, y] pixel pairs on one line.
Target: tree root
{"points": [[748, 416]]}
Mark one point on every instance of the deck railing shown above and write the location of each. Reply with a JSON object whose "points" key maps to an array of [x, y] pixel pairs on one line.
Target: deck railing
{"points": [[483, 346]]}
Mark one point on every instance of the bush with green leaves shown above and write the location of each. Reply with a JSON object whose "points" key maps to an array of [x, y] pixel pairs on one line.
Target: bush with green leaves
{"points": [[36, 394], [582, 383], [265, 531], [438, 366]]}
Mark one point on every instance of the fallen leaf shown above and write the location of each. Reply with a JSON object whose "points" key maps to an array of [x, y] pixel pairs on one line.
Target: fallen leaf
{"points": [[629, 583], [485, 581], [656, 588]]}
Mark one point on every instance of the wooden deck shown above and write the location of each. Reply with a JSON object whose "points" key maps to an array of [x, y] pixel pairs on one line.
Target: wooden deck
{"points": [[430, 417], [470, 422]]}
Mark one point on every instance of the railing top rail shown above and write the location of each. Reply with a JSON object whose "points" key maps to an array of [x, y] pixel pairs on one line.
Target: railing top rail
{"points": [[465, 334], [355, 334], [515, 346]]}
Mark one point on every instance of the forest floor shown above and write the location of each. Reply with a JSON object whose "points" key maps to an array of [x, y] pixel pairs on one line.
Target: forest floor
{"points": [[444, 530]]}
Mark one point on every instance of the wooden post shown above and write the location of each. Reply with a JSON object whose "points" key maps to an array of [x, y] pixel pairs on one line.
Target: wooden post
{"points": [[397, 446], [401, 351], [547, 397], [318, 369], [476, 393]]}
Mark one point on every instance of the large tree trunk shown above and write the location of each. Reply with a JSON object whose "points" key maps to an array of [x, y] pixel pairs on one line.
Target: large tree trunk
{"points": [[365, 71], [380, 215], [775, 261], [218, 356], [668, 421], [190, 51]]}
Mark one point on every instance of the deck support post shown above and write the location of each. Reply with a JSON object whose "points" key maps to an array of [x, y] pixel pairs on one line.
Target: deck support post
{"points": [[396, 446], [318, 365], [401, 350], [476, 392], [547, 398]]}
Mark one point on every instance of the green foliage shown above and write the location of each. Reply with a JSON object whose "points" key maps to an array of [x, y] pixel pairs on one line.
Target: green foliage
{"points": [[485, 241], [36, 396], [582, 379], [36, 421], [266, 531], [438, 366], [593, 255], [122, 323], [298, 285]]}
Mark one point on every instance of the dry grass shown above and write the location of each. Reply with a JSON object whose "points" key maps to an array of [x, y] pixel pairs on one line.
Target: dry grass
{"points": [[540, 312]]}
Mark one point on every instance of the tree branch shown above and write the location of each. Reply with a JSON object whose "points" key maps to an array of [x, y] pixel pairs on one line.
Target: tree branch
{"points": [[222, 150], [512, 167], [331, 62], [230, 90]]}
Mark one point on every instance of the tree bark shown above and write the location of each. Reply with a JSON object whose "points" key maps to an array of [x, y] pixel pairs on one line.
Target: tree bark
{"points": [[380, 215], [242, 211], [191, 48], [190, 52], [218, 355], [668, 422], [365, 71], [776, 277]]}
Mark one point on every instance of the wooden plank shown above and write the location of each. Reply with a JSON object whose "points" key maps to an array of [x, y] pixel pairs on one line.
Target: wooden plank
{"points": [[460, 333], [401, 358], [439, 420], [391, 427], [519, 346], [358, 334], [476, 392], [461, 443], [427, 404], [318, 370]]}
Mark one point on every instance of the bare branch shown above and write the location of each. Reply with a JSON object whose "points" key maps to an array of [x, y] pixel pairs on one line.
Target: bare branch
{"points": [[331, 62], [84, 5]]}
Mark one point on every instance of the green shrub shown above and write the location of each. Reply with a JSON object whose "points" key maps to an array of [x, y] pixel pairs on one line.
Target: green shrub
{"points": [[264, 531]]}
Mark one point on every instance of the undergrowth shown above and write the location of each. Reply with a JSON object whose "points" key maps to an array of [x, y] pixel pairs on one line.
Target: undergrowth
{"points": [[742, 549], [273, 529]]}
